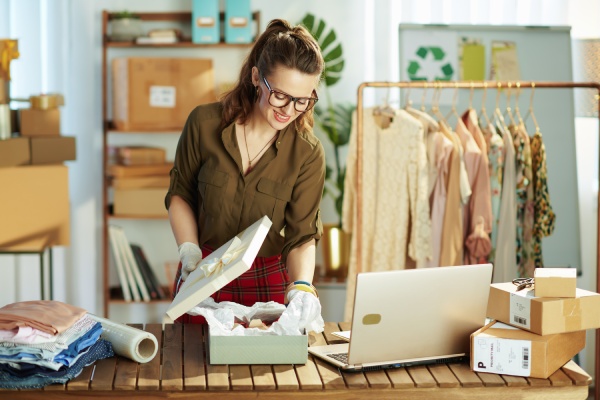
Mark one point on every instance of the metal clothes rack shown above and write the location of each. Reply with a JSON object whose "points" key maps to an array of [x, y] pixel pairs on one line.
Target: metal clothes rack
{"points": [[491, 85]]}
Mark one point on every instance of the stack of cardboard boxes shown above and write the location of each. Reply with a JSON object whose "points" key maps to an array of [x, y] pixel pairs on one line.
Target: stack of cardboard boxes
{"points": [[140, 181], [34, 208], [535, 330]]}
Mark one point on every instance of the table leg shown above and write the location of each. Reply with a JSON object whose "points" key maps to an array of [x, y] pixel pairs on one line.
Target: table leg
{"points": [[42, 288]]}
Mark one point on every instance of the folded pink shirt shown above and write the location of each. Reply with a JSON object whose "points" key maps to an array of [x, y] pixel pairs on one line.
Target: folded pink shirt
{"points": [[45, 315]]}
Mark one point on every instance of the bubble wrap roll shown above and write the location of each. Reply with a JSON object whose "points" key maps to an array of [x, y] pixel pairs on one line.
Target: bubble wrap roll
{"points": [[138, 345]]}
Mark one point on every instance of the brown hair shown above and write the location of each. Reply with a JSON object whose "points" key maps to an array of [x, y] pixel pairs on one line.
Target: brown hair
{"points": [[279, 45]]}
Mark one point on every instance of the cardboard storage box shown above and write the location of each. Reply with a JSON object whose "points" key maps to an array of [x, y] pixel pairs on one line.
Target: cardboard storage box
{"points": [[144, 182], [34, 210], [555, 282], [52, 150], [543, 315], [206, 18], [14, 152], [238, 21], [141, 155], [131, 171], [154, 94], [242, 251], [39, 122], [502, 349], [140, 202]]}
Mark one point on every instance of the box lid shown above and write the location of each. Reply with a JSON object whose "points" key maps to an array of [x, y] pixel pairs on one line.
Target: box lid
{"points": [[555, 273], [227, 263]]}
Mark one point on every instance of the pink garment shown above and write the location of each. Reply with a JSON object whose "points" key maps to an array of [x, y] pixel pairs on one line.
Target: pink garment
{"points": [[46, 315], [26, 335], [480, 202]]}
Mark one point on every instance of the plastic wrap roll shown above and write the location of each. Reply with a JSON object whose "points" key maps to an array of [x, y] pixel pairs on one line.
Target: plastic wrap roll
{"points": [[129, 342]]}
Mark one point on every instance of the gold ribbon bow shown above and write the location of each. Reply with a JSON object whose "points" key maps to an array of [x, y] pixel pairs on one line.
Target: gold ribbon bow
{"points": [[8, 53]]}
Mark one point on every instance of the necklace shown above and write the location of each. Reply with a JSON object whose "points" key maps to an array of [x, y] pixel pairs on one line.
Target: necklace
{"points": [[257, 154]]}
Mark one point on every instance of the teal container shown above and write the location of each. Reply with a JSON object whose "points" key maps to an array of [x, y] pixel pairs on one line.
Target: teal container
{"points": [[238, 21], [206, 21]]}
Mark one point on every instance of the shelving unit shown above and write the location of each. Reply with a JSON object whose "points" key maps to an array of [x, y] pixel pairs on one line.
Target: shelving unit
{"points": [[174, 19]]}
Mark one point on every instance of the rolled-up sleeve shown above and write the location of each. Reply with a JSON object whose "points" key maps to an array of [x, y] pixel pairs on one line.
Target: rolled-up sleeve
{"points": [[186, 164], [302, 215]]}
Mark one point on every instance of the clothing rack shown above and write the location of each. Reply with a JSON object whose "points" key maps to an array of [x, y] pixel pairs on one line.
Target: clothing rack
{"points": [[491, 85]]}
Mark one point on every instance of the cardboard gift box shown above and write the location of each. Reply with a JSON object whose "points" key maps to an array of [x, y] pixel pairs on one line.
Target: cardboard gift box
{"points": [[543, 315], [147, 202], [35, 208], [14, 152], [52, 150], [206, 26], [236, 257], [157, 94], [503, 349], [35, 122], [555, 282]]}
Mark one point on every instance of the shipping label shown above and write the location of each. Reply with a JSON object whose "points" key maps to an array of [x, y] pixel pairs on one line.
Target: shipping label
{"points": [[162, 96], [502, 356], [520, 309]]}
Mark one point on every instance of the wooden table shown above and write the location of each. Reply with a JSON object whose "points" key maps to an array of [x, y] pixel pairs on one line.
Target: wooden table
{"points": [[185, 375]]}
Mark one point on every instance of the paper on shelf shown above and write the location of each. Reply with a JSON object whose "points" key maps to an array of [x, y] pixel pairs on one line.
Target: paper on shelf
{"points": [[222, 266], [138, 345]]}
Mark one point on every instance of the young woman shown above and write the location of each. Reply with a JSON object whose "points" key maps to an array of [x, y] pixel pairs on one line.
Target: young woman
{"points": [[254, 154]]}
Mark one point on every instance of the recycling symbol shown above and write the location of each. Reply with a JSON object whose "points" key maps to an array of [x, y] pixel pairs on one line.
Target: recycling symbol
{"points": [[432, 54]]}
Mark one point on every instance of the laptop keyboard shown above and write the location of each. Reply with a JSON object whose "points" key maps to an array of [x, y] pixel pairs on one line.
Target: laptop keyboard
{"points": [[341, 357]]}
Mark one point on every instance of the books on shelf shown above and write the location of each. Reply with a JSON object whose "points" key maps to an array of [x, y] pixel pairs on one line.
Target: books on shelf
{"points": [[136, 277]]}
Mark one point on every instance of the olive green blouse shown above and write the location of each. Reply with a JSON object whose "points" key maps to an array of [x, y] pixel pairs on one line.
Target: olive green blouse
{"points": [[286, 184]]}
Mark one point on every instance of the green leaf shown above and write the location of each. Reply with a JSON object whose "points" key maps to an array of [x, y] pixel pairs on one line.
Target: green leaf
{"points": [[330, 47], [330, 38], [334, 54]]}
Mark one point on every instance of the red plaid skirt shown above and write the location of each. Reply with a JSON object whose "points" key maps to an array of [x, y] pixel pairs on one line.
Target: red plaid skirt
{"points": [[265, 281]]}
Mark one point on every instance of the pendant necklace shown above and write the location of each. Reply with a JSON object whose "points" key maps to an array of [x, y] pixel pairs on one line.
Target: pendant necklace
{"points": [[259, 153]]}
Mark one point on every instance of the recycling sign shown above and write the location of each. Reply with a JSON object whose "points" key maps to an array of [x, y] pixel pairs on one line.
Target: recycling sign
{"points": [[429, 63]]}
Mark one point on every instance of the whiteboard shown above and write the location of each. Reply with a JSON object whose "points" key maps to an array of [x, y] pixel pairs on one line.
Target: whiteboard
{"points": [[544, 54]]}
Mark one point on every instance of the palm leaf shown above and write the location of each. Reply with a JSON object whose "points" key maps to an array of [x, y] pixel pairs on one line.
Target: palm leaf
{"points": [[330, 47]]}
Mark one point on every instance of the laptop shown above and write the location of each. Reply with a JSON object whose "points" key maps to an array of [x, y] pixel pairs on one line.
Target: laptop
{"points": [[412, 317]]}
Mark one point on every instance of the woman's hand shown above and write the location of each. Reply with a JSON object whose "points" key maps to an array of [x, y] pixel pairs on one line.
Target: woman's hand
{"points": [[190, 256]]}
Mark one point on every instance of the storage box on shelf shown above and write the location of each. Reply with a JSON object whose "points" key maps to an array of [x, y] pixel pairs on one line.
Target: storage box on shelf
{"points": [[129, 193]]}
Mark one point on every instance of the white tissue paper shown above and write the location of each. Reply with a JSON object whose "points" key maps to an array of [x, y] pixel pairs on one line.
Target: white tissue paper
{"points": [[221, 317]]}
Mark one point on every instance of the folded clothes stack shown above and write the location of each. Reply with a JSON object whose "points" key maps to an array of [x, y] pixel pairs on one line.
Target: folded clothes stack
{"points": [[45, 342]]}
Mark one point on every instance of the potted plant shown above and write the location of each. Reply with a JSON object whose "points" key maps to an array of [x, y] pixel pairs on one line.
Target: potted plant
{"points": [[125, 26], [334, 120]]}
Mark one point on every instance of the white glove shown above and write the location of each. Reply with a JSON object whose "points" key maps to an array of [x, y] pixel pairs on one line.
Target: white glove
{"points": [[310, 310], [190, 256]]}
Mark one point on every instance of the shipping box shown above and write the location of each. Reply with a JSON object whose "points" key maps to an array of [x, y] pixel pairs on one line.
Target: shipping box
{"points": [[131, 171], [140, 202], [141, 155], [157, 94], [52, 150], [237, 256], [555, 282], [503, 349], [144, 182], [39, 122], [543, 315], [35, 208], [14, 152]]}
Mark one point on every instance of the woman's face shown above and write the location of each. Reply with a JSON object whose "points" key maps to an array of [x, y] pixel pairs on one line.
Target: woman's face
{"points": [[284, 81]]}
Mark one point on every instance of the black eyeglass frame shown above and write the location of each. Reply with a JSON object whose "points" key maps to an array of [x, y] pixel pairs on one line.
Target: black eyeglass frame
{"points": [[290, 98]]}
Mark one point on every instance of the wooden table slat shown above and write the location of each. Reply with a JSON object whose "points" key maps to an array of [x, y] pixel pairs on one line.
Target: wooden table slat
{"points": [[172, 366], [308, 375], [285, 377], [378, 379], [316, 339], [491, 380], [55, 387], [559, 378], [465, 375], [355, 380], [421, 376], [330, 375], [194, 373], [329, 328], [126, 374], [82, 381], [263, 377], [538, 382], [444, 376], [400, 378], [515, 381], [104, 374], [577, 374], [149, 373], [241, 378]]}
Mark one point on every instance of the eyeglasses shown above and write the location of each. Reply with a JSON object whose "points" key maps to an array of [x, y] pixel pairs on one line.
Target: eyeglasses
{"points": [[280, 99]]}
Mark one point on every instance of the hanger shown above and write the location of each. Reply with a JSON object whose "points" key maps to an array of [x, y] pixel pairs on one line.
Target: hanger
{"points": [[498, 117], [530, 111], [508, 110], [471, 93], [384, 113], [423, 108], [453, 106], [517, 111], [483, 110], [407, 100], [435, 108]]}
